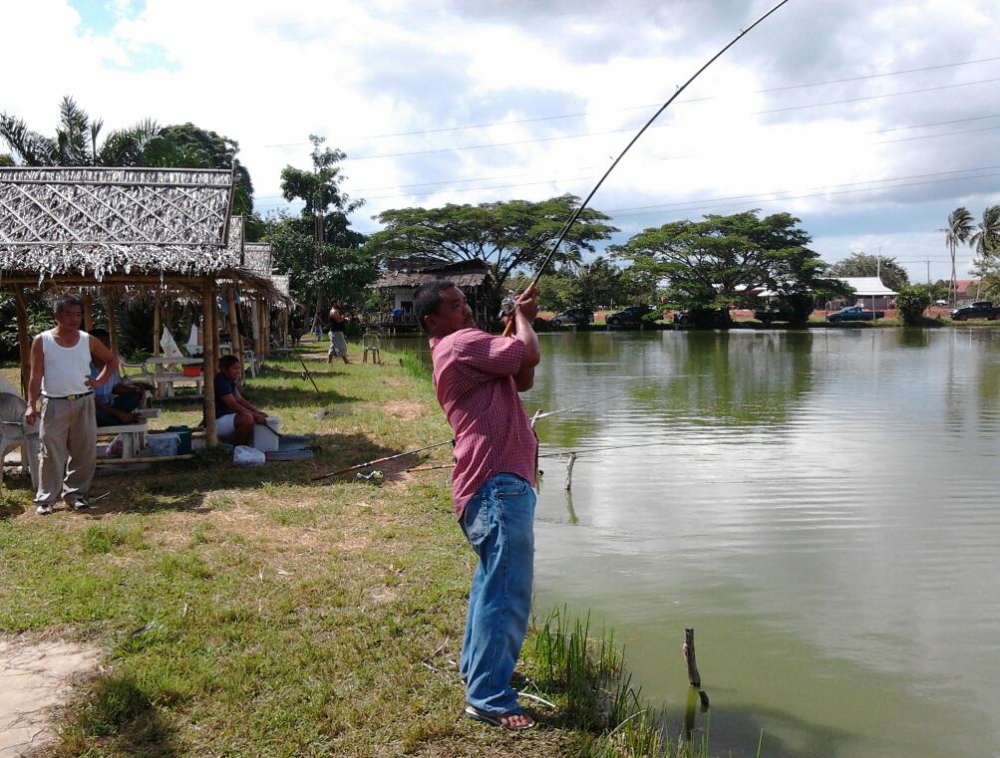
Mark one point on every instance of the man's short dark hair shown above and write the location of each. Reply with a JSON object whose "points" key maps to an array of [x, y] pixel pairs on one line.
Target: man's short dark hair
{"points": [[65, 302], [227, 362], [427, 298]]}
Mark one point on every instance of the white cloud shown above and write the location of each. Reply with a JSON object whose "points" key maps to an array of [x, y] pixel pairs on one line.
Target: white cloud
{"points": [[836, 112]]}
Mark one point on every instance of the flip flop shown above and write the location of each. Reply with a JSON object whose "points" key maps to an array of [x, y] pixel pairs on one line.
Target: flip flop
{"points": [[496, 719]]}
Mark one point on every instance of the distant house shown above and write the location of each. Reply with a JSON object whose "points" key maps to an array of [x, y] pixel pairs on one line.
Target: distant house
{"points": [[402, 276], [967, 290], [869, 292]]}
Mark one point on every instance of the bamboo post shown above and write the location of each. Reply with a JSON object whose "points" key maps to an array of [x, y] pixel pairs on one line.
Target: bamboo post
{"points": [[23, 339], [209, 351]]}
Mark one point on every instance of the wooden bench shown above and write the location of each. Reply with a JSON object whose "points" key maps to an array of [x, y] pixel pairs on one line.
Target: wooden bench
{"points": [[165, 383], [133, 437]]}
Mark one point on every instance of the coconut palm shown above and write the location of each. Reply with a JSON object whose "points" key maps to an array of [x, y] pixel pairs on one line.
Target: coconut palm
{"points": [[986, 240], [76, 140], [957, 233]]}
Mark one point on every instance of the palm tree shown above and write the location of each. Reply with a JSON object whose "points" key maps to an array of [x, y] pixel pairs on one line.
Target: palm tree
{"points": [[986, 240], [76, 140], [957, 233]]}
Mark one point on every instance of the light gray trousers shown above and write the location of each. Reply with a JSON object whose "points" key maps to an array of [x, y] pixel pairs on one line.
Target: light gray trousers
{"points": [[68, 454]]}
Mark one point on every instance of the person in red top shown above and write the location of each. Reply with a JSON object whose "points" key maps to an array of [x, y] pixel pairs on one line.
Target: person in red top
{"points": [[477, 377]]}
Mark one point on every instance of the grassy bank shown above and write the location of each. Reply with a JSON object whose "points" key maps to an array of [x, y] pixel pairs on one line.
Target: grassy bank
{"points": [[255, 612]]}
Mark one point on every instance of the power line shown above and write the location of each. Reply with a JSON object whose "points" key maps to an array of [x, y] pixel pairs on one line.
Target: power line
{"points": [[630, 129], [646, 107]]}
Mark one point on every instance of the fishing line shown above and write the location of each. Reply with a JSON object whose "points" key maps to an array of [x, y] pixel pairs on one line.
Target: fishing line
{"points": [[509, 329]]}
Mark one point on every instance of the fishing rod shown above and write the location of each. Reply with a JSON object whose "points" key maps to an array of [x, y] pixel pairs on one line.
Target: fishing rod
{"points": [[539, 415], [306, 369], [509, 329], [357, 466], [586, 450]]}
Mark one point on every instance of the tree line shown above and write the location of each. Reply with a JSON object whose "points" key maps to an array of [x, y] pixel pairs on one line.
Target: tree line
{"points": [[696, 265]]}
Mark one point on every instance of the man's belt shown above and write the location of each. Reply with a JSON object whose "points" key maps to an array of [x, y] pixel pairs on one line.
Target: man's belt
{"points": [[68, 397]]}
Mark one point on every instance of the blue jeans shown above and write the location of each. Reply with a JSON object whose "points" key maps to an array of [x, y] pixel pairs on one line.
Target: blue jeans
{"points": [[498, 524]]}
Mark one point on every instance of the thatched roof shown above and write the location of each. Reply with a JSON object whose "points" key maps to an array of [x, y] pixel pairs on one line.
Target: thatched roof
{"points": [[257, 257], [100, 221], [414, 272]]}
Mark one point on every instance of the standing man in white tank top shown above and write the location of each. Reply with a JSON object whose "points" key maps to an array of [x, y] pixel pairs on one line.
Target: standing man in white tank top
{"points": [[60, 376]]}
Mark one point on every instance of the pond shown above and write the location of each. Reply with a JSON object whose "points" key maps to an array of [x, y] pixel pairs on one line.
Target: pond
{"points": [[820, 506]]}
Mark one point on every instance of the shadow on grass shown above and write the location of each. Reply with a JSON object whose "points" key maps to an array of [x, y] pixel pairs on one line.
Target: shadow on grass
{"points": [[121, 715], [183, 485]]}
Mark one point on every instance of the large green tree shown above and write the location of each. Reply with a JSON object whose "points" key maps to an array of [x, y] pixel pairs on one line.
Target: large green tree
{"points": [[510, 236], [190, 146], [319, 249], [714, 262], [341, 272], [887, 269], [957, 233]]}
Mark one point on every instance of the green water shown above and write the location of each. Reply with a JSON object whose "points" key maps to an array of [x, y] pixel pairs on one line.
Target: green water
{"points": [[821, 507]]}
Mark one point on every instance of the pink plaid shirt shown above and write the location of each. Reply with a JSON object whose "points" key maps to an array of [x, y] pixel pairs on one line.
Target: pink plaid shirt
{"points": [[474, 376]]}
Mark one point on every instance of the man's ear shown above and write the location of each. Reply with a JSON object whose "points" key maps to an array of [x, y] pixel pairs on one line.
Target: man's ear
{"points": [[429, 322]]}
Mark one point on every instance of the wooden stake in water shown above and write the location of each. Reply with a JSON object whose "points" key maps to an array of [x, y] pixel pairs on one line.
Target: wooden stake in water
{"points": [[692, 665], [569, 472], [693, 676]]}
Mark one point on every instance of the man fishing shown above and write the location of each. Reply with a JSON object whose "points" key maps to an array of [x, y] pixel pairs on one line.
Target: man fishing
{"points": [[477, 377]]}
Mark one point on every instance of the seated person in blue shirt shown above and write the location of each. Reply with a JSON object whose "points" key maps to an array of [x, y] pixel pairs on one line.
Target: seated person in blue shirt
{"points": [[116, 399], [234, 415]]}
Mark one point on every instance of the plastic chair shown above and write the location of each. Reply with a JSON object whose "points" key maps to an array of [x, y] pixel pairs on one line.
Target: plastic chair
{"points": [[14, 432], [371, 342]]}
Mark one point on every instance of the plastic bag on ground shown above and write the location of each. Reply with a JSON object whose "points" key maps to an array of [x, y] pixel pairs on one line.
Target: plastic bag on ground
{"points": [[245, 456]]}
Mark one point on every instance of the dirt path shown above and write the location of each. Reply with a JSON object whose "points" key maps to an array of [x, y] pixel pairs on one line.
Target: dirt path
{"points": [[34, 678]]}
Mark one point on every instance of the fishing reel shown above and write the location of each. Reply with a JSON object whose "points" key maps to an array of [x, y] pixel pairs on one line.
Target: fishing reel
{"points": [[374, 477], [508, 304]]}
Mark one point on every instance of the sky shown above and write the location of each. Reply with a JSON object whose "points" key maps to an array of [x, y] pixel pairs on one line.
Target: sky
{"points": [[869, 120]]}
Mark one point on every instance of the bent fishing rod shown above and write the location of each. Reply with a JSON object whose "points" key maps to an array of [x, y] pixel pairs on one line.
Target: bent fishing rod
{"points": [[376, 461], [509, 329]]}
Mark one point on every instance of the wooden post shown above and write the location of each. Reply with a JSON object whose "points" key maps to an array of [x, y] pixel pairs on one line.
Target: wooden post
{"points": [[23, 339], [112, 321], [234, 324], [210, 352], [569, 472], [88, 312], [156, 325], [693, 676], [692, 665], [258, 347]]}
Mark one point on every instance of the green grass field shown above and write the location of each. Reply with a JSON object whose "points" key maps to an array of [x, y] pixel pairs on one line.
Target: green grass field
{"points": [[255, 612]]}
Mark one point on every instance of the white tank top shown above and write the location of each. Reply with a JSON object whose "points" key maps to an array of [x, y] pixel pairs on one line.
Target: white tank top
{"points": [[66, 368]]}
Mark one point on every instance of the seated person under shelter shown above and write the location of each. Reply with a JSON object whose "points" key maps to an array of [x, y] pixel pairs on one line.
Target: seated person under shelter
{"points": [[117, 399], [234, 415]]}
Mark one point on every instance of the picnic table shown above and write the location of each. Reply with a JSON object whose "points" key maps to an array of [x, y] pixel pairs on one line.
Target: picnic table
{"points": [[165, 379]]}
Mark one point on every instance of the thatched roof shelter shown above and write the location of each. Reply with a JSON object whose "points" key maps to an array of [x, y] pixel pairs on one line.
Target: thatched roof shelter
{"points": [[100, 222], [128, 232]]}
